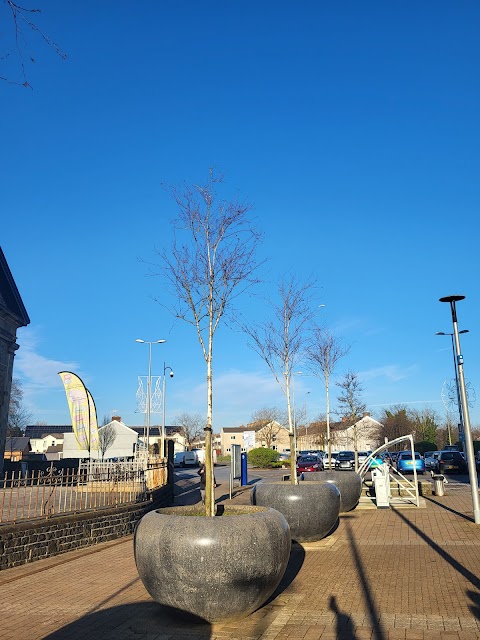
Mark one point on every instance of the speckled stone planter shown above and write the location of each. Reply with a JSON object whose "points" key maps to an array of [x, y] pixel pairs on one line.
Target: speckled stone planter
{"points": [[310, 508], [215, 568], [349, 484]]}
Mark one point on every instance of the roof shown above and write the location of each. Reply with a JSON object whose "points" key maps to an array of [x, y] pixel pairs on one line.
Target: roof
{"points": [[10, 299], [17, 444], [40, 431], [54, 449]]}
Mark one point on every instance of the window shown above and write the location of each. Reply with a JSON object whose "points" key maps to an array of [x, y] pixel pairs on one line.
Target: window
{"points": [[232, 437]]}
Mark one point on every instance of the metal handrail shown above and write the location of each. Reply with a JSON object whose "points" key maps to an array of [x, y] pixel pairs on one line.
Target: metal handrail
{"points": [[364, 467]]}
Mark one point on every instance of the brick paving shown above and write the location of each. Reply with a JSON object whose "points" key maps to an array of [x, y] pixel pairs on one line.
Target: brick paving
{"points": [[398, 574]]}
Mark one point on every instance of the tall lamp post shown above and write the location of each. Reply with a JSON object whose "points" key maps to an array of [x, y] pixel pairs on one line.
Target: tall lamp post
{"points": [[164, 390], [472, 471], [149, 384], [459, 404]]}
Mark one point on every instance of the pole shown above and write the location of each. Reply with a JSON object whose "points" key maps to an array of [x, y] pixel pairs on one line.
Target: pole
{"points": [[459, 403], [149, 396], [164, 389], [472, 471]]}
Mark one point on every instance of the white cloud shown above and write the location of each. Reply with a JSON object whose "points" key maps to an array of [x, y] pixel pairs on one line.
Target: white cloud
{"points": [[37, 372], [390, 372]]}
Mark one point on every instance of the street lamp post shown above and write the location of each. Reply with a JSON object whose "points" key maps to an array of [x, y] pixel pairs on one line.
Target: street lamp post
{"points": [[459, 404], [164, 390], [472, 471], [149, 385]]}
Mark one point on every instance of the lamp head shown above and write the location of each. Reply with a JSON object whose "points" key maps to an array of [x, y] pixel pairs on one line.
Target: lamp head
{"points": [[171, 374]]}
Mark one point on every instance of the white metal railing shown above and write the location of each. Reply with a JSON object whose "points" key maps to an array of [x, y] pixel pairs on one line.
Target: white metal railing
{"points": [[409, 487]]}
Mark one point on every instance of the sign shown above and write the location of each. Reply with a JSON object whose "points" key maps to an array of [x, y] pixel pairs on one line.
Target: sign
{"points": [[249, 439], [236, 461]]}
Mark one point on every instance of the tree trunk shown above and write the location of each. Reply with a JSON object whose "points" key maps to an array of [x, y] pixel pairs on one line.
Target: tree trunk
{"points": [[209, 475]]}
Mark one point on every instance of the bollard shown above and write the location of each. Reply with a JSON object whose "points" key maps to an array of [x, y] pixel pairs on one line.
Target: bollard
{"points": [[439, 485]]}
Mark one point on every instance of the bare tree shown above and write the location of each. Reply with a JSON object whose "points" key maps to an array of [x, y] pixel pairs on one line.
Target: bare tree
{"points": [[211, 262], [280, 341], [106, 419], [324, 350], [269, 421], [351, 405], [106, 437], [18, 415], [191, 425], [17, 51]]}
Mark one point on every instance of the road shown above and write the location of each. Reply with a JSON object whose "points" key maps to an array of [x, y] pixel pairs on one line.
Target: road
{"points": [[187, 481]]}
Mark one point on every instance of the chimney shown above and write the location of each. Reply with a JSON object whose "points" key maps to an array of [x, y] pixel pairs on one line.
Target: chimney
{"points": [[117, 418]]}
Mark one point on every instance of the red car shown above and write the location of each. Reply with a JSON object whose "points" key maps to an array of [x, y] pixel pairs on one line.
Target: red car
{"points": [[309, 463]]}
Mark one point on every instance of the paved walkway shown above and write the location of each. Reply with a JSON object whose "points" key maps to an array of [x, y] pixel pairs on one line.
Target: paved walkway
{"points": [[399, 574]]}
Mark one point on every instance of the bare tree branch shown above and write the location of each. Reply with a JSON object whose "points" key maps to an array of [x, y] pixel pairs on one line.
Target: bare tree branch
{"points": [[280, 341], [210, 263], [20, 17], [323, 352]]}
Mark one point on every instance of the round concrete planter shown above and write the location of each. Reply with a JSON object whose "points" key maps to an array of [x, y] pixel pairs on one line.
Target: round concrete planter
{"points": [[310, 508], [349, 484], [214, 568]]}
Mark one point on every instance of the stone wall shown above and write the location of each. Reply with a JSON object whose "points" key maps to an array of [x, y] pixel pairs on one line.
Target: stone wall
{"points": [[37, 539]]}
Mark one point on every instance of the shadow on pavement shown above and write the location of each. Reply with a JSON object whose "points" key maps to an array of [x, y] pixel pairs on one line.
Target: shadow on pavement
{"points": [[142, 619], [344, 626], [373, 612], [466, 573], [295, 562], [475, 606], [444, 506]]}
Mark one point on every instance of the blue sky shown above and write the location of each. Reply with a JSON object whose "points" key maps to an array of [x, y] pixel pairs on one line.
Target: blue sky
{"points": [[351, 127]]}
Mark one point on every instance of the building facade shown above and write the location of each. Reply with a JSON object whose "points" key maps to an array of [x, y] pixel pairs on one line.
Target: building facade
{"points": [[13, 315]]}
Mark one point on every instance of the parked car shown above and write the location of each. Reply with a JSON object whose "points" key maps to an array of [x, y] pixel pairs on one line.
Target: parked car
{"points": [[362, 456], [377, 461], [430, 458], [345, 460], [332, 460], [185, 459], [309, 463], [405, 462], [450, 461]]}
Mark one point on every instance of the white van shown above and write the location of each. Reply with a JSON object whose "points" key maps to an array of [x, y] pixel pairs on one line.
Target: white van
{"points": [[185, 459]]}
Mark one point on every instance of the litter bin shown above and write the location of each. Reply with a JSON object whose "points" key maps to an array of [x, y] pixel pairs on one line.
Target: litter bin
{"points": [[439, 485]]}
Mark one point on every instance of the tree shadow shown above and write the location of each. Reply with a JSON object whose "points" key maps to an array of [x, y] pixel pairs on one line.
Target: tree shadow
{"points": [[466, 573], [140, 619], [343, 623], [373, 612]]}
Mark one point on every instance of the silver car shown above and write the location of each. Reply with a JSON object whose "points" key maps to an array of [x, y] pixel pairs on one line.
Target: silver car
{"points": [[430, 458]]}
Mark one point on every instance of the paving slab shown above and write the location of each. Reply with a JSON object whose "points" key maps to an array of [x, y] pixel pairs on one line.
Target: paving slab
{"points": [[394, 574]]}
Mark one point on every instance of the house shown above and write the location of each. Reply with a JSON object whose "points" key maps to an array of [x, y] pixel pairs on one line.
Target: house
{"points": [[17, 448], [255, 435], [366, 431], [124, 443], [46, 441]]}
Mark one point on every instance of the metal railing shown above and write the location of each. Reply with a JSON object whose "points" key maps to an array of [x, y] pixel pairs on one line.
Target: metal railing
{"points": [[43, 494]]}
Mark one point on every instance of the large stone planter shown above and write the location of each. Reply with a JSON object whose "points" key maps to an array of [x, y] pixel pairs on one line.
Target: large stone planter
{"points": [[310, 508], [215, 568], [349, 484]]}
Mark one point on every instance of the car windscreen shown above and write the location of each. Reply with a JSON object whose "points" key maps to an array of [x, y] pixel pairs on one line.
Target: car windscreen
{"points": [[346, 455], [408, 456], [308, 459]]}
